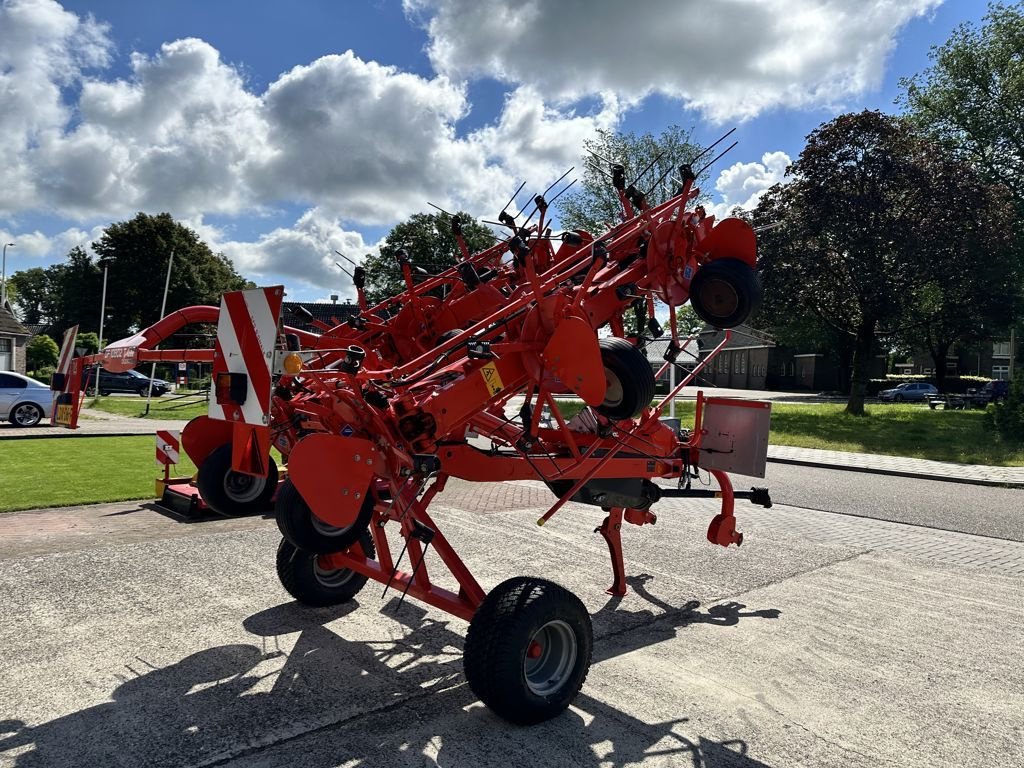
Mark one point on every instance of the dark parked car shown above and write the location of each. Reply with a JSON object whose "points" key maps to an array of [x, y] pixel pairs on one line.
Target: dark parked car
{"points": [[992, 392], [129, 381]]}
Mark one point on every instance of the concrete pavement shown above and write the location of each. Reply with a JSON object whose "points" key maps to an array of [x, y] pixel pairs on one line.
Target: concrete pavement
{"points": [[824, 641]]}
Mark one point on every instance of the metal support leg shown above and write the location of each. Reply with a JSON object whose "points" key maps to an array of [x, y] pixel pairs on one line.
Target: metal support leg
{"points": [[611, 530]]}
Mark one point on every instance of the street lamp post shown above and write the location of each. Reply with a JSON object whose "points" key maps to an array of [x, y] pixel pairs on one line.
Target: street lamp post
{"points": [[3, 276]]}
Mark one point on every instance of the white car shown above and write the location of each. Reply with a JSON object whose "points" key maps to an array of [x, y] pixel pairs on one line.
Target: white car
{"points": [[23, 401]]}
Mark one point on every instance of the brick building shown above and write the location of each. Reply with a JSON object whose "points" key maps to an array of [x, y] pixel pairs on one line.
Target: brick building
{"points": [[13, 336]]}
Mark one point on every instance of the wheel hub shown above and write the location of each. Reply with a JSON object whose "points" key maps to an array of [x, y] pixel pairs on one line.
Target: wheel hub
{"points": [[550, 658], [720, 297], [243, 488]]}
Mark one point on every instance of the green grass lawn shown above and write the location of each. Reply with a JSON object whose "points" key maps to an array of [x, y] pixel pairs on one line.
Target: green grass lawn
{"points": [[895, 430], [53, 472], [67, 471], [166, 407]]}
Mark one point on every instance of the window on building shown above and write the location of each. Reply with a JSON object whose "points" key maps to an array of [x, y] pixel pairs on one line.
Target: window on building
{"points": [[6, 355], [1000, 349], [792, 369], [1001, 372]]}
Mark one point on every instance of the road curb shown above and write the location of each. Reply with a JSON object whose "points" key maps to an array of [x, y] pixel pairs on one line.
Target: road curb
{"points": [[75, 436], [900, 473]]}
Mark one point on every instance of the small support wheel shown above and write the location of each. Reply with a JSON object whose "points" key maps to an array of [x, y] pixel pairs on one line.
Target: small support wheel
{"points": [[230, 493], [528, 650], [628, 377], [308, 581], [725, 292], [308, 532]]}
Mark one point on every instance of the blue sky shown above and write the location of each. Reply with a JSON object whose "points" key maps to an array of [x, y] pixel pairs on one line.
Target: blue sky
{"points": [[283, 131]]}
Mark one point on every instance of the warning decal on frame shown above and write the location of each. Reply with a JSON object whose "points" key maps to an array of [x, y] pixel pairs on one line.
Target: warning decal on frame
{"points": [[491, 378], [64, 415]]}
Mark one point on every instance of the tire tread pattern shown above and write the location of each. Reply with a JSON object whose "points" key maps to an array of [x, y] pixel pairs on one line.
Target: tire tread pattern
{"points": [[295, 571]]}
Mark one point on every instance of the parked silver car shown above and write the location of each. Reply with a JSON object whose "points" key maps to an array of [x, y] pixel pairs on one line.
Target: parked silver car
{"points": [[911, 392], [23, 401]]}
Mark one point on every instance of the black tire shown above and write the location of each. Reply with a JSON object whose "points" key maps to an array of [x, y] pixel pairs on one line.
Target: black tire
{"points": [[306, 531], [304, 579], [230, 493], [518, 618], [898, 398], [629, 377], [25, 415], [725, 292], [104, 393]]}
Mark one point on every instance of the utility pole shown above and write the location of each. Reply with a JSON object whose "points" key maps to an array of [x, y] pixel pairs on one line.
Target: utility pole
{"points": [[103, 313], [3, 276], [163, 309]]}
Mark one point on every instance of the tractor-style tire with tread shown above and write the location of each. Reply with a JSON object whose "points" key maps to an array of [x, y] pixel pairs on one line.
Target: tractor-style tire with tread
{"points": [[230, 493], [629, 377], [528, 649], [725, 292], [302, 528], [304, 579]]}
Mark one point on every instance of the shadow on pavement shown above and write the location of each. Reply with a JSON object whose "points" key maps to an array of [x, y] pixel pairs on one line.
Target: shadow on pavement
{"points": [[616, 628], [308, 695]]}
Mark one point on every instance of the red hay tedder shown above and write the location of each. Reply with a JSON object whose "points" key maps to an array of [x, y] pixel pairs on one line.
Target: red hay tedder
{"points": [[375, 415]]}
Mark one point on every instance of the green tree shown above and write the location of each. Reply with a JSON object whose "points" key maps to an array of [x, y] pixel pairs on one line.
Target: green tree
{"points": [[847, 248], [972, 95], [428, 239], [88, 341], [595, 205], [34, 295], [78, 287], [41, 352], [61, 295], [137, 252], [971, 274]]}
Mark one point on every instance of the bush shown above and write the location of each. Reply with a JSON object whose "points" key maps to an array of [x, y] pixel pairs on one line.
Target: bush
{"points": [[1007, 417], [41, 351], [44, 374]]}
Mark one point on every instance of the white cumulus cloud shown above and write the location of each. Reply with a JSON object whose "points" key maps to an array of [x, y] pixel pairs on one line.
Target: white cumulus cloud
{"points": [[302, 253], [742, 184], [731, 60]]}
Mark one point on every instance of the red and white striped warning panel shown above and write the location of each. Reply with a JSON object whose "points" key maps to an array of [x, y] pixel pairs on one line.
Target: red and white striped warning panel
{"points": [[67, 349], [62, 413], [246, 335], [168, 447]]}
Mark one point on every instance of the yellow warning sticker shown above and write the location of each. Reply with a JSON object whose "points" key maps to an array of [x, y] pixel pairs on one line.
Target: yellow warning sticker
{"points": [[64, 415], [491, 378]]}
